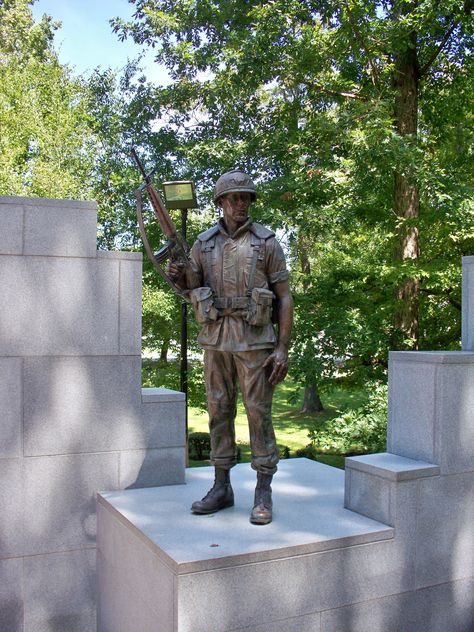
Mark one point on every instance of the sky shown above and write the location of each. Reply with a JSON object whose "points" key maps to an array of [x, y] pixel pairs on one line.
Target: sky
{"points": [[85, 39]]}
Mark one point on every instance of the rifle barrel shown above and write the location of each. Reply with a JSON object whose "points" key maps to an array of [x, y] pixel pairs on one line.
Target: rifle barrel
{"points": [[139, 165]]}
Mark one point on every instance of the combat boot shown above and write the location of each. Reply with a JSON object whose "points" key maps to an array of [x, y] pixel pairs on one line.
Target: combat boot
{"points": [[262, 509], [219, 497]]}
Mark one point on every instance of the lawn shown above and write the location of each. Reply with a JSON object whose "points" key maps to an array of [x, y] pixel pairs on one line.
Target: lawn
{"points": [[291, 426]]}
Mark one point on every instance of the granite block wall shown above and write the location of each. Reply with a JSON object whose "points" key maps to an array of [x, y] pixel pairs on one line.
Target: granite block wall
{"points": [[73, 416]]}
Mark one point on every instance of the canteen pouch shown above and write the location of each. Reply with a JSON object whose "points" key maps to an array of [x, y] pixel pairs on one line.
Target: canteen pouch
{"points": [[260, 307], [203, 304]]}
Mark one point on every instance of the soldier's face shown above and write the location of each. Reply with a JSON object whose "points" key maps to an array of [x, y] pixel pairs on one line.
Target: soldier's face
{"points": [[235, 207]]}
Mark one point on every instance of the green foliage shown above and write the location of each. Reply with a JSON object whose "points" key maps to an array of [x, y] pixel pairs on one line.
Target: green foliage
{"points": [[46, 144], [167, 375], [302, 95], [356, 431], [283, 451], [199, 445]]}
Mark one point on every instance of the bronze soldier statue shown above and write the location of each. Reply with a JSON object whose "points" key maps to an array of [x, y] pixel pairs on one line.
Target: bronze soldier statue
{"points": [[237, 276]]}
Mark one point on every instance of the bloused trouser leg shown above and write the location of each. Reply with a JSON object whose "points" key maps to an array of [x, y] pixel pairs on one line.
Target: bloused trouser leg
{"points": [[257, 393], [221, 376]]}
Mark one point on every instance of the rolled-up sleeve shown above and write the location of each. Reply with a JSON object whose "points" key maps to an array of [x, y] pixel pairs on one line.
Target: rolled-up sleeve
{"points": [[275, 262]]}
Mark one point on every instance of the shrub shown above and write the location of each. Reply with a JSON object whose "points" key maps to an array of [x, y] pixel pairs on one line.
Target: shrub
{"points": [[308, 452], [356, 431], [283, 451], [199, 445]]}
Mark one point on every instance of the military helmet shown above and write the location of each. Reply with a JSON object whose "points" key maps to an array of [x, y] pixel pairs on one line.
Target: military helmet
{"points": [[235, 181]]}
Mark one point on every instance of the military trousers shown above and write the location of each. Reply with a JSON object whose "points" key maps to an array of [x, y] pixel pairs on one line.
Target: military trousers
{"points": [[223, 371]]}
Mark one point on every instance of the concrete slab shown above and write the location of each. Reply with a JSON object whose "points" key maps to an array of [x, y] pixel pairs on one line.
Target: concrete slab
{"points": [[194, 543], [67, 229], [392, 466], [431, 399], [276, 577], [130, 312], [59, 499], [445, 529], [11, 407], [59, 306], [468, 303], [60, 592], [86, 404], [151, 468], [11, 595], [11, 228], [12, 507]]}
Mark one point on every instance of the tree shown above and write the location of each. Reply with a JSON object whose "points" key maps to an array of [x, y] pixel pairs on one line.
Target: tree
{"points": [[334, 104], [46, 143]]}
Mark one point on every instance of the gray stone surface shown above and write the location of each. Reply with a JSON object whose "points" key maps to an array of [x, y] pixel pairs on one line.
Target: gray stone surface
{"points": [[73, 418], [388, 614], [160, 395], [468, 303], [128, 566], [305, 623], [60, 230], [11, 229], [454, 437], [185, 543], [151, 468], [11, 595], [261, 574], [60, 592], [12, 509], [289, 587], [122, 608], [164, 424], [411, 411], [121, 255], [92, 404], [391, 466], [11, 406], [443, 608], [60, 495], [368, 495], [86, 404], [431, 399], [59, 306], [445, 529], [130, 307]]}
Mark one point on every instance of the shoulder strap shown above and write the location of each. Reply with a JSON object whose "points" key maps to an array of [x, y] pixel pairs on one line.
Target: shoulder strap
{"points": [[257, 246], [206, 248]]}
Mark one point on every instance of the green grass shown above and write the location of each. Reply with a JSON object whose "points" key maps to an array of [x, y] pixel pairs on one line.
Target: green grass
{"points": [[291, 426]]}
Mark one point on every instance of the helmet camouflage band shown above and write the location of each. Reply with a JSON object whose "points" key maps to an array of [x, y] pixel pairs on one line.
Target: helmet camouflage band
{"points": [[235, 181]]}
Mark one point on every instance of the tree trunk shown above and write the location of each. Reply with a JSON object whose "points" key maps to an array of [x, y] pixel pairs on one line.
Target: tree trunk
{"points": [[164, 350], [311, 401], [406, 197]]}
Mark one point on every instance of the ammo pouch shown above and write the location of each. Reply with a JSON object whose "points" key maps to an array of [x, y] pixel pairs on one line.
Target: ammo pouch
{"points": [[260, 307], [203, 304]]}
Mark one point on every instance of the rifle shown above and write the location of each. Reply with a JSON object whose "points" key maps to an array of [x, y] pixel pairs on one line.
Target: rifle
{"points": [[176, 249]]}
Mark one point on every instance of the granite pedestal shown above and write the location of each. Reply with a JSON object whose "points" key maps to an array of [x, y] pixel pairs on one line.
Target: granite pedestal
{"points": [[318, 566]]}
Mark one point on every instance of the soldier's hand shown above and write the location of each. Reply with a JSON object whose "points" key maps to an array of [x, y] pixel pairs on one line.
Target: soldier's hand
{"points": [[279, 361], [175, 271]]}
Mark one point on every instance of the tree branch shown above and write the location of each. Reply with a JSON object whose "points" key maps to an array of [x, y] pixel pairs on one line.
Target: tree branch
{"points": [[338, 93], [438, 50], [373, 68], [445, 294]]}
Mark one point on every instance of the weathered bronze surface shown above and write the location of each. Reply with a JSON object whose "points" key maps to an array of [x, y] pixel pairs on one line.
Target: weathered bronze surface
{"points": [[236, 274], [176, 248]]}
